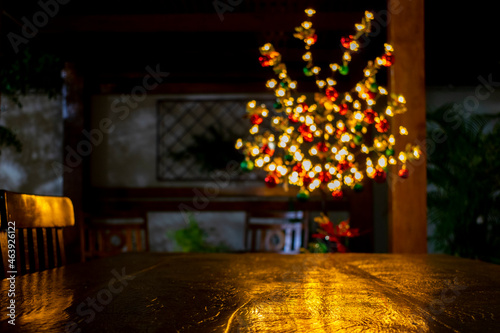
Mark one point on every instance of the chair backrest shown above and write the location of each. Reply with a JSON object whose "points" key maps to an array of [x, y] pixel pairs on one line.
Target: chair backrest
{"points": [[102, 239], [31, 234], [279, 234]]}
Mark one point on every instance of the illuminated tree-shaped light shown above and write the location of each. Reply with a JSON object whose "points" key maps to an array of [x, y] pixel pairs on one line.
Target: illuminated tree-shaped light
{"points": [[337, 140]]}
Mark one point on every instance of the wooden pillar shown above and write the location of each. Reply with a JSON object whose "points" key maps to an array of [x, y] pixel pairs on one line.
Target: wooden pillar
{"points": [[73, 176], [408, 198]]}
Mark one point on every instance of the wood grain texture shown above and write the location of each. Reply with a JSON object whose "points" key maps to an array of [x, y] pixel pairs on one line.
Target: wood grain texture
{"points": [[38, 221], [408, 197], [36, 211], [151, 292]]}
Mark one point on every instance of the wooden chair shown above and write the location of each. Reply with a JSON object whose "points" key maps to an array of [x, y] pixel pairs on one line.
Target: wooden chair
{"points": [[279, 234], [37, 222], [100, 238]]}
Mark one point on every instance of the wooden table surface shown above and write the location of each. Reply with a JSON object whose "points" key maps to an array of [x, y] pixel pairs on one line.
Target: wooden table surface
{"points": [[259, 293]]}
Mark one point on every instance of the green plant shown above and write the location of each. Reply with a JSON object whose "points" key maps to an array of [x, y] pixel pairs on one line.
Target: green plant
{"points": [[193, 239], [9, 139], [463, 174], [30, 70]]}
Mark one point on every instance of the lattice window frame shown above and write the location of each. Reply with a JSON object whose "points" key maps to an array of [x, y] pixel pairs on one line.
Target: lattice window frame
{"points": [[178, 110]]}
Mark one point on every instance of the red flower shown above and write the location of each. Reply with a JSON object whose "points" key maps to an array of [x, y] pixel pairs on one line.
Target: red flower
{"points": [[266, 150], [311, 40], [331, 93], [268, 59], [403, 173], [343, 109], [303, 128], [370, 116], [322, 147], [371, 95], [307, 136], [265, 60], [271, 180], [324, 176], [342, 166], [382, 126], [338, 194], [298, 168], [306, 180], [346, 41], [388, 59], [293, 117], [256, 119], [380, 175]]}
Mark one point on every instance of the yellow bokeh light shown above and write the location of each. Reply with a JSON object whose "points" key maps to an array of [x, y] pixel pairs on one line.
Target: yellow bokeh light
{"points": [[307, 165], [310, 12], [271, 83], [345, 137], [239, 144], [382, 161]]}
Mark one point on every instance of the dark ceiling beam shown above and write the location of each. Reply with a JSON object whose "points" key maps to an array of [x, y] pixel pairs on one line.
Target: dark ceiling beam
{"points": [[235, 22]]}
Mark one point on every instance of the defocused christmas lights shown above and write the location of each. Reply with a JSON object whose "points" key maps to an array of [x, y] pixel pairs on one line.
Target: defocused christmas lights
{"points": [[326, 144]]}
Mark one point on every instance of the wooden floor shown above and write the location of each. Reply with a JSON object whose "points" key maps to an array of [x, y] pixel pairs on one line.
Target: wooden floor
{"points": [[260, 293]]}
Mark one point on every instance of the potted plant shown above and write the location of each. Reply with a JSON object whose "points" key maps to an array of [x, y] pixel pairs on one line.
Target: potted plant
{"points": [[464, 182]]}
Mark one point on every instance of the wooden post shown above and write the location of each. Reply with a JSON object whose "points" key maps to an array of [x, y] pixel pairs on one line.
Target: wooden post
{"points": [[408, 197], [73, 176]]}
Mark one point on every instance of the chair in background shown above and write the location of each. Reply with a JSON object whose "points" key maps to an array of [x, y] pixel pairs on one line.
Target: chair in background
{"points": [[280, 232], [37, 222], [101, 238]]}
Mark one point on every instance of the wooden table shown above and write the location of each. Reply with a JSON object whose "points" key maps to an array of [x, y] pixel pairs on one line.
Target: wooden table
{"points": [[259, 292]]}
